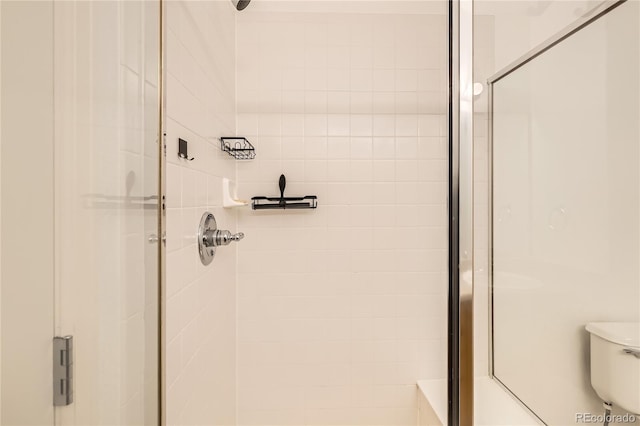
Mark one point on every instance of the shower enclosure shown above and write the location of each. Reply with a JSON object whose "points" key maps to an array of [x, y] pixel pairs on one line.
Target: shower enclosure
{"points": [[80, 214], [464, 233]]}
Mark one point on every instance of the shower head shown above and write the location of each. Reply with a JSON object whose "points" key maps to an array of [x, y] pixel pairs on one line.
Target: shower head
{"points": [[240, 4]]}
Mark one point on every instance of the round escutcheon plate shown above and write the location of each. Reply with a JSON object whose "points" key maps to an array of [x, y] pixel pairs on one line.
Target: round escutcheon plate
{"points": [[207, 223]]}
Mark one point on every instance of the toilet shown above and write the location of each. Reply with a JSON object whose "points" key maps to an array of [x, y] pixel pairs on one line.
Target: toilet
{"points": [[615, 363]]}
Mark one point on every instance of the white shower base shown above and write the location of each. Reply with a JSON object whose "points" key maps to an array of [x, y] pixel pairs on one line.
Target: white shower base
{"points": [[493, 405]]}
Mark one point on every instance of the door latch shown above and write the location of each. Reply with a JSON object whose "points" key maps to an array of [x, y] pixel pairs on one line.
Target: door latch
{"points": [[62, 370]]}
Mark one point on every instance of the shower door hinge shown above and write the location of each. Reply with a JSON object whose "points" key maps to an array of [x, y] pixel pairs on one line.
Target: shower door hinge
{"points": [[62, 370]]}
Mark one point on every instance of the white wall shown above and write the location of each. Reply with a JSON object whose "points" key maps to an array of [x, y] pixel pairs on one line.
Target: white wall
{"points": [[340, 310], [201, 312], [27, 291]]}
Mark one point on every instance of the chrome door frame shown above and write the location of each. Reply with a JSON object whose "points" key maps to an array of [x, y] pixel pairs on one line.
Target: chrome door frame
{"points": [[162, 227], [460, 382]]}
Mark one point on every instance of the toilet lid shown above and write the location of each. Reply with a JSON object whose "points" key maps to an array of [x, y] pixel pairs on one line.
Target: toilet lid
{"points": [[622, 333]]}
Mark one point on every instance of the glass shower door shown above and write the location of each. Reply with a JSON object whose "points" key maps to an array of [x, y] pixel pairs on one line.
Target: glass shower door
{"points": [[80, 210], [565, 205]]}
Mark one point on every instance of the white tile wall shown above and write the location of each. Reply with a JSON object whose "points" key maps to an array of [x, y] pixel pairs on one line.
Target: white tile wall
{"points": [[340, 310], [201, 301]]}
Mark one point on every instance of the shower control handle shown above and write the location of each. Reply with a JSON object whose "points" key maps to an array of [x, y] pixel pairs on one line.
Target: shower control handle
{"points": [[210, 237], [220, 238]]}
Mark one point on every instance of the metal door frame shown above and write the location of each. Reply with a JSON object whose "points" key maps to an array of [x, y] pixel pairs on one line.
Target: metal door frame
{"points": [[460, 383]]}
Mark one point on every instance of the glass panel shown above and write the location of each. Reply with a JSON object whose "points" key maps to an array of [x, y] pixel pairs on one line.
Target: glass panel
{"points": [[565, 212], [485, 410], [80, 111], [106, 205]]}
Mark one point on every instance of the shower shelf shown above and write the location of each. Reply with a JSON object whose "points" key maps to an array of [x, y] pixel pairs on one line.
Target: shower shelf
{"points": [[282, 202], [238, 147]]}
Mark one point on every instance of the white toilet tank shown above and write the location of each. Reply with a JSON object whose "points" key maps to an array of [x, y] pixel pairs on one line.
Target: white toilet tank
{"points": [[615, 363]]}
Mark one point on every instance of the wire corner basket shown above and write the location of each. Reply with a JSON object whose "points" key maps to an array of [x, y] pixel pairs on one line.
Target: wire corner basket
{"points": [[238, 147]]}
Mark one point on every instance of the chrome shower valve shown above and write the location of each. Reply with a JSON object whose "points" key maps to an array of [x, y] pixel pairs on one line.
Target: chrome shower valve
{"points": [[220, 238], [210, 237]]}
